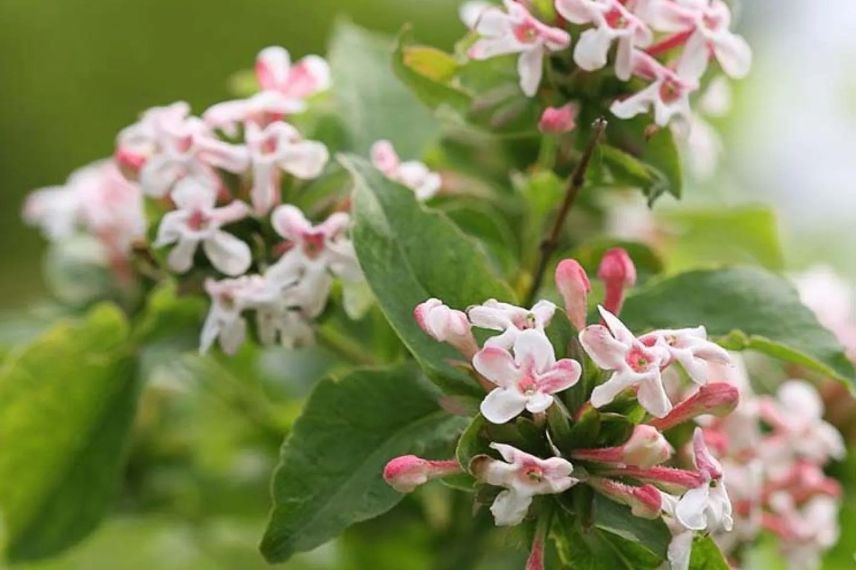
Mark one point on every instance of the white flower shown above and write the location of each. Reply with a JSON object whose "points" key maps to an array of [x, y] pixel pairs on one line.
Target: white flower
{"points": [[706, 507], [316, 254], [691, 349], [284, 87], [523, 476], [196, 221], [412, 174], [613, 347], [510, 319], [668, 94], [612, 21], [526, 381], [515, 30], [278, 148], [229, 298], [167, 145]]}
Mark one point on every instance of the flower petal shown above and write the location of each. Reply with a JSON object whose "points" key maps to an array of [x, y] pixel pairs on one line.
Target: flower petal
{"points": [[530, 68], [227, 253], [497, 365], [510, 508], [603, 348], [502, 405]]}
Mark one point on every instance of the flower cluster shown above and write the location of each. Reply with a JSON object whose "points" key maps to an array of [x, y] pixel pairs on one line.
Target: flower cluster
{"points": [[773, 450], [665, 45], [518, 367]]}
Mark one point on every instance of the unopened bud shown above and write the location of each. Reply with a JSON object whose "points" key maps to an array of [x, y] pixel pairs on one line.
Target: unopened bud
{"points": [[668, 478], [536, 555], [129, 162], [705, 462], [644, 501], [645, 448], [618, 273], [406, 473], [446, 325], [574, 286], [717, 399], [559, 120]]}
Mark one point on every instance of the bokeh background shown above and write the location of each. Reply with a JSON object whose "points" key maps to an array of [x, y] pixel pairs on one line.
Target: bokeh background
{"points": [[74, 72]]}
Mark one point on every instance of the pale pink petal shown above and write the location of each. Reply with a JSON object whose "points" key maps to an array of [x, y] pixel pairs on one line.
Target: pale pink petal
{"points": [[265, 193], [487, 48], [652, 395], [563, 375], [227, 253], [734, 55], [304, 159], [530, 68], [193, 194], [602, 347], [510, 508], [695, 56], [605, 393], [502, 405], [576, 11], [497, 365], [180, 258], [231, 213], [593, 48], [635, 104], [533, 348], [290, 223], [272, 67], [691, 507], [539, 402]]}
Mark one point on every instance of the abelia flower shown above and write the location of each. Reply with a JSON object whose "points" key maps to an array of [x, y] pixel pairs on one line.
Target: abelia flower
{"points": [[559, 120], [646, 448], [198, 221], [796, 416], [668, 94], [706, 507], [284, 88], [527, 380], [315, 254], [634, 365], [406, 473], [523, 476], [275, 149], [229, 299], [96, 199], [412, 173], [708, 23], [167, 145], [612, 21], [515, 30], [510, 319], [691, 349], [446, 325], [574, 286], [618, 273]]}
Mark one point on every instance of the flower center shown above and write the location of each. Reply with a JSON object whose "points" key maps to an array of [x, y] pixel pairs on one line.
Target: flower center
{"points": [[638, 359], [198, 220], [527, 385], [533, 473], [526, 32], [615, 19], [670, 91], [525, 322], [313, 244]]}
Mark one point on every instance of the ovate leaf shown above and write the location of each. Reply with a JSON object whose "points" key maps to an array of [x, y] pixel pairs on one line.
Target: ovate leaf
{"points": [[67, 401], [706, 555], [742, 308], [410, 254], [371, 101], [330, 473]]}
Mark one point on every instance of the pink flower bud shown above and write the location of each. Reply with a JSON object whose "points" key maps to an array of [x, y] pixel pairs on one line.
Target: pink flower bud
{"points": [[644, 501], [559, 120], [406, 473], [536, 555], [645, 448], [617, 272], [669, 478], [446, 325], [574, 286], [718, 399]]}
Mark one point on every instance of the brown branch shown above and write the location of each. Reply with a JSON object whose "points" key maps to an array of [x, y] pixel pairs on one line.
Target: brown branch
{"points": [[551, 242]]}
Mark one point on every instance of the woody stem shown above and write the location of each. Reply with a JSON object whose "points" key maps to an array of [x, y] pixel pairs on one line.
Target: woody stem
{"points": [[551, 242]]}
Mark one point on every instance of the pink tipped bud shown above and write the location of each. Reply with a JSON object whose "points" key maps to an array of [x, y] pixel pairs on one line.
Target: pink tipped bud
{"points": [[617, 272], [536, 555], [645, 448], [129, 162], [668, 478], [406, 473], [574, 286], [559, 120], [446, 325], [644, 501], [718, 399], [705, 462]]}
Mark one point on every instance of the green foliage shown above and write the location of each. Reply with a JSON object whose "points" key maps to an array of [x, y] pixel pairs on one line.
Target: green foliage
{"points": [[330, 472], [371, 94], [743, 308], [617, 519], [706, 555], [410, 254], [67, 401]]}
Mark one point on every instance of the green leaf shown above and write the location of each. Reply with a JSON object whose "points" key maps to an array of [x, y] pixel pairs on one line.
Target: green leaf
{"points": [[410, 254], [596, 549], [67, 401], [744, 235], [648, 161], [706, 555], [617, 519], [428, 72], [330, 473], [372, 102], [743, 308]]}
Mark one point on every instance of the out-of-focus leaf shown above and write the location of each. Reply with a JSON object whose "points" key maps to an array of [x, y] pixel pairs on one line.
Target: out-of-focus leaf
{"points": [[330, 471], [372, 102], [706, 555], [617, 519], [742, 308], [646, 160], [67, 401], [410, 254], [597, 549], [428, 72], [746, 234]]}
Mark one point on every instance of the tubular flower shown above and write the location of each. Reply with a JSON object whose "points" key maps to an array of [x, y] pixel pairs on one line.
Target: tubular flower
{"points": [[510, 319], [446, 325], [515, 30], [618, 273], [527, 380]]}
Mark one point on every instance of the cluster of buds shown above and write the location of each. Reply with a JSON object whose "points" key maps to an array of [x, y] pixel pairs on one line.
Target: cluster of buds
{"points": [[218, 182], [773, 451], [526, 383], [666, 45]]}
